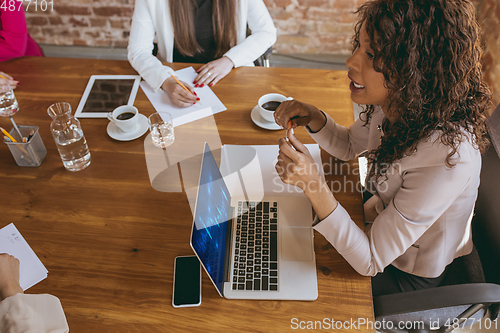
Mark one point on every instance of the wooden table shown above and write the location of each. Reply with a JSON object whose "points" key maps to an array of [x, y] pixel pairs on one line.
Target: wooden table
{"points": [[109, 239]]}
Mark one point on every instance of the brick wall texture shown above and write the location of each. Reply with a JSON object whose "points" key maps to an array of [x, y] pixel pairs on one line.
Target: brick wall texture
{"points": [[488, 13], [304, 26]]}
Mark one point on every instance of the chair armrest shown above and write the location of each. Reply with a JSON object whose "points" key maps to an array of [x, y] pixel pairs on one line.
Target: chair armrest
{"points": [[435, 298]]}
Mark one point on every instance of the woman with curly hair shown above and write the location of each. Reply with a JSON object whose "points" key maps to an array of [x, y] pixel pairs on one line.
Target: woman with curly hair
{"points": [[416, 68]]}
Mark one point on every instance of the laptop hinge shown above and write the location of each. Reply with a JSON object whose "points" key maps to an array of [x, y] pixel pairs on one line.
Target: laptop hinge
{"points": [[229, 242]]}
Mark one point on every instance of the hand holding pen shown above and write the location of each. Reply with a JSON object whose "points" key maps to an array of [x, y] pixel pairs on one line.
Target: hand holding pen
{"points": [[7, 82], [181, 93]]}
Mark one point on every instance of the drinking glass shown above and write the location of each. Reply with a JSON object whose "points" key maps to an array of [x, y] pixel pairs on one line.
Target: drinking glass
{"points": [[161, 126], [8, 104], [68, 135]]}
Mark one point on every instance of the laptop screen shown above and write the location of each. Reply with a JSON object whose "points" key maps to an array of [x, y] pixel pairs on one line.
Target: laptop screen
{"points": [[208, 238]]}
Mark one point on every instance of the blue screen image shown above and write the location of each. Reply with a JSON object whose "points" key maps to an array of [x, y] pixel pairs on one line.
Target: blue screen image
{"points": [[211, 218]]}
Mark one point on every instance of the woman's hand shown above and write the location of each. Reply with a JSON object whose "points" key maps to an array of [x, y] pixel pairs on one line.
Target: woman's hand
{"points": [[300, 114], [178, 95], [297, 167], [7, 83], [9, 276], [213, 72]]}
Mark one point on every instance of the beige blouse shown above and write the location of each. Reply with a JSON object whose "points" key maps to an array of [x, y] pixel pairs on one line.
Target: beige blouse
{"points": [[32, 314], [424, 208]]}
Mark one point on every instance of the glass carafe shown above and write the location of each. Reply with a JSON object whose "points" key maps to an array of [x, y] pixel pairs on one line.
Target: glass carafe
{"points": [[69, 138]]}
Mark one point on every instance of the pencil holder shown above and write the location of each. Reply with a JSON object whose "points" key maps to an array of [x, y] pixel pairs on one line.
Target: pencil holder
{"points": [[29, 153]]}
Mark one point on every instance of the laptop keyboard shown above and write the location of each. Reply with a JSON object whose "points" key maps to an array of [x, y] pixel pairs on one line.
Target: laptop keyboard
{"points": [[256, 247]]}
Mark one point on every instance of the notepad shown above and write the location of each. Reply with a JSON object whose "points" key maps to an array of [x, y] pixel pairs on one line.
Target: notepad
{"points": [[31, 269], [210, 103]]}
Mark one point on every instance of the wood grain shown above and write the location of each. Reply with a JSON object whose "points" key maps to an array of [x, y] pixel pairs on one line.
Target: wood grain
{"points": [[109, 239]]}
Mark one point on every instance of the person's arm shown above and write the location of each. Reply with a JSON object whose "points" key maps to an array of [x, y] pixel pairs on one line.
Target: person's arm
{"points": [[427, 191], [263, 35], [247, 50], [140, 47], [345, 143], [13, 32], [32, 314], [339, 141], [26, 313]]}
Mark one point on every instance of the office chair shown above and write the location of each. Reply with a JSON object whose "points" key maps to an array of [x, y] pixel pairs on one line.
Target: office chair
{"points": [[263, 60], [471, 289]]}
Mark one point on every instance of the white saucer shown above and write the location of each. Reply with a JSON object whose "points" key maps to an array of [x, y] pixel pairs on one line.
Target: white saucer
{"points": [[118, 134], [261, 122]]}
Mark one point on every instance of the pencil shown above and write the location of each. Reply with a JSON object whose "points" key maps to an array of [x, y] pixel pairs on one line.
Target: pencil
{"points": [[7, 133], [3, 77], [183, 86]]}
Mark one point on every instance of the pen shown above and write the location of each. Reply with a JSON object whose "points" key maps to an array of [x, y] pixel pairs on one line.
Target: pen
{"points": [[31, 134], [8, 135], [184, 87]]}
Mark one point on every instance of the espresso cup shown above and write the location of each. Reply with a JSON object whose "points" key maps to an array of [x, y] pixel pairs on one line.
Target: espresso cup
{"points": [[125, 117], [269, 103]]}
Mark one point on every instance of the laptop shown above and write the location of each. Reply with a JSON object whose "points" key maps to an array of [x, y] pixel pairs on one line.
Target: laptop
{"points": [[253, 247]]}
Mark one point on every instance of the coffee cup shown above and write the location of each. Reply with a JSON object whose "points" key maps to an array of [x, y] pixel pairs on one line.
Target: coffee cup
{"points": [[269, 103], [125, 117]]}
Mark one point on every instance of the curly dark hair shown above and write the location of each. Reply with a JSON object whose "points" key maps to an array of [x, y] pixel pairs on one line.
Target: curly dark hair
{"points": [[430, 54]]}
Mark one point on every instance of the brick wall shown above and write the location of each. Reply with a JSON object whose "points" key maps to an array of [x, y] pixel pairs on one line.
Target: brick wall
{"points": [[488, 13], [304, 26], [80, 22], [314, 26]]}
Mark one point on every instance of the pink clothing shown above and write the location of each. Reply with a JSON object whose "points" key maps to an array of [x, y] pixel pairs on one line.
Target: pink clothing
{"points": [[15, 40]]}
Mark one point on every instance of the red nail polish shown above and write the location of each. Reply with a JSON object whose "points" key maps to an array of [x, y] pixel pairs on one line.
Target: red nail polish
{"points": [[198, 99], [194, 82], [211, 84], [195, 93], [202, 85], [196, 86], [18, 83]]}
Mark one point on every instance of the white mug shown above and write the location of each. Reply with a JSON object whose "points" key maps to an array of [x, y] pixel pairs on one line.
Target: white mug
{"points": [[269, 114], [125, 117]]}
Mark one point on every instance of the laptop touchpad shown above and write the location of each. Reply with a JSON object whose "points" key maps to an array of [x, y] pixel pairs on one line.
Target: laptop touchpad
{"points": [[296, 244]]}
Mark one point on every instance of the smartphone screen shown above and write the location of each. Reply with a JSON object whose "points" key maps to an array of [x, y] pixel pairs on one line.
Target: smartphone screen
{"points": [[187, 282]]}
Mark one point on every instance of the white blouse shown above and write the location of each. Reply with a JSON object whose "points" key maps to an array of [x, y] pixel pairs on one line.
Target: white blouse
{"points": [[152, 19], [24, 313], [424, 208]]}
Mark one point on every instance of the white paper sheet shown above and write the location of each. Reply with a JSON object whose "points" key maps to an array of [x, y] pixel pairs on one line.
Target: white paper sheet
{"points": [[255, 166], [31, 269], [210, 103]]}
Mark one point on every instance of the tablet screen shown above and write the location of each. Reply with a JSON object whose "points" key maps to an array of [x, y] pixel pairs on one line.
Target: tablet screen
{"points": [[104, 93], [107, 95]]}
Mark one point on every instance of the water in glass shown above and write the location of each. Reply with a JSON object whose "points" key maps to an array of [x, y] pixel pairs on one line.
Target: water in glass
{"points": [[162, 134], [8, 104], [69, 137]]}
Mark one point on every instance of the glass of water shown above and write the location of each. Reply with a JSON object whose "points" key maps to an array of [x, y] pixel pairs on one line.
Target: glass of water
{"points": [[8, 104], [161, 126]]}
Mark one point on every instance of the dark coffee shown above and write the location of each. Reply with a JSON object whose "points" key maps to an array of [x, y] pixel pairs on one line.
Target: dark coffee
{"points": [[271, 105], [125, 116]]}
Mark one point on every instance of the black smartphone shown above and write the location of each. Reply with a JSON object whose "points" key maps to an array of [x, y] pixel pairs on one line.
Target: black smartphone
{"points": [[187, 282]]}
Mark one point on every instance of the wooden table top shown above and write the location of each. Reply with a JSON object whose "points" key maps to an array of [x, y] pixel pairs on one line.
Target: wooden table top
{"points": [[109, 240]]}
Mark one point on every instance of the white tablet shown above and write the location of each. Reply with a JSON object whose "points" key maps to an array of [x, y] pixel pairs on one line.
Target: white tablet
{"points": [[104, 93]]}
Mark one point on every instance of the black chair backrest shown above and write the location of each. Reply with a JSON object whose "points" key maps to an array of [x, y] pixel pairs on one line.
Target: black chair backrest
{"points": [[486, 223]]}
